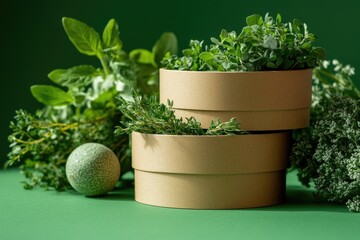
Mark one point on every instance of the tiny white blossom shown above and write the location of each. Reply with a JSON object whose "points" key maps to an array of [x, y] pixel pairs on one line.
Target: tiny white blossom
{"points": [[335, 62], [325, 63]]}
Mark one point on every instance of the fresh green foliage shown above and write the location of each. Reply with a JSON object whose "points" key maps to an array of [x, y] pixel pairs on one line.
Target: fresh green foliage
{"points": [[147, 115], [85, 39], [50, 95], [264, 44], [42, 143], [333, 153], [82, 108], [164, 45], [327, 153], [78, 76], [111, 38]]}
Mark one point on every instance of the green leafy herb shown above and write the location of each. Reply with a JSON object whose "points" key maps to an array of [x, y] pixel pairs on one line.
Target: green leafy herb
{"points": [[264, 44], [111, 38], [167, 43], [147, 115], [42, 143], [85, 39], [83, 109], [334, 158], [327, 153], [51, 96], [78, 76]]}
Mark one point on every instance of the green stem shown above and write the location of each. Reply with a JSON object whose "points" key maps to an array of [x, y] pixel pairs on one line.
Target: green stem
{"points": [[104, 64], [326, 73]]}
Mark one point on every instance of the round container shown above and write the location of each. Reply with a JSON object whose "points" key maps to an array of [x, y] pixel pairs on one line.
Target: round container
{"points": [[263, 100], [210, 172]]}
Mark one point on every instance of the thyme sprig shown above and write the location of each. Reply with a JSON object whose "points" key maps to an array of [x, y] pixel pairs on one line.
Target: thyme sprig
{"points": [[147, 115]]}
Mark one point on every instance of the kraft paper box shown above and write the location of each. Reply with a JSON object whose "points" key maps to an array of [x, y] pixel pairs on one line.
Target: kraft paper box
{"points": [[210, 172], [263, 100]]}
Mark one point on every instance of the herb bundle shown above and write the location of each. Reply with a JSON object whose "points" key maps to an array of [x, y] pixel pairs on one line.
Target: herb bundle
{"points": [[147, 115], [82, 107], [327, 153], [264, 44]]}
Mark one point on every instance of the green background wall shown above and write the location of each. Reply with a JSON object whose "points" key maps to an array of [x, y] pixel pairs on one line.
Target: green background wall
{"points": [[33, 41]]}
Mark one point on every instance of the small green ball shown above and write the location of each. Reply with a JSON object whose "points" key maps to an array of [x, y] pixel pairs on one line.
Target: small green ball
{"points": [[93, 169]]}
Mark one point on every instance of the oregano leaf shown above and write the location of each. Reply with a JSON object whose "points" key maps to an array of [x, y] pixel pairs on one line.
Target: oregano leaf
{"points": [[254, 19], [206, 56]]}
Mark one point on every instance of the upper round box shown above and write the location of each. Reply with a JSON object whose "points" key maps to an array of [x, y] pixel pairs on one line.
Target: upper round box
{"points": [[261, 101]]}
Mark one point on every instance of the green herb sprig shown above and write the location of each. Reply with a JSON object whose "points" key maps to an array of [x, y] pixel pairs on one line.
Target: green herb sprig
{"points": [[264, 44], [42, 144], [147, 115]]}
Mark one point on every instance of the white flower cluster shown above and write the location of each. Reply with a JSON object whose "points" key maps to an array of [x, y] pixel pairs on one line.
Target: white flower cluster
{"points": [[337, 153]]}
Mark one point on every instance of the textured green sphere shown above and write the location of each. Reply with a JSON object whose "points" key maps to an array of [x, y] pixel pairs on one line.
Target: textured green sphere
{"points": [[92, 169]]}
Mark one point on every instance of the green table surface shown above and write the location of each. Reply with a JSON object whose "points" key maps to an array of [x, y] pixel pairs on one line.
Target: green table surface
{"points": [[40, 214]]}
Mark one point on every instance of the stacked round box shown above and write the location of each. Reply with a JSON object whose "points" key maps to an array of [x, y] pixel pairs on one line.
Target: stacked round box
{"points": [[221, 172]]}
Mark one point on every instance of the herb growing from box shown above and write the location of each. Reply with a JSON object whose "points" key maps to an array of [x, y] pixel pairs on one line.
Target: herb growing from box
{"points": [[264, 44], [179, 164], [261, 76]]}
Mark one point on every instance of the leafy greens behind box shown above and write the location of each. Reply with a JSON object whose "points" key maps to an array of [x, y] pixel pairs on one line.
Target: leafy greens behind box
{"points": [[328, 153], [81, 108]]}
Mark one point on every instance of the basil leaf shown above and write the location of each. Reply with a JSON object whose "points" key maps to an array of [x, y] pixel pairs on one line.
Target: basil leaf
{"points": [[111, 37], [84, 38], [51, 96], [78, 76], [166, 43], [142, 56]]}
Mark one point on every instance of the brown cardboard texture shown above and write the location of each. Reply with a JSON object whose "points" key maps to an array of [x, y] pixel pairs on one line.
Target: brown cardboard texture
{"points": [[210, 172], [264, 100]]}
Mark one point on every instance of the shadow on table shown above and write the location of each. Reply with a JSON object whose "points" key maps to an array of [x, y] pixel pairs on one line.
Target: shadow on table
{"points": [[299, 198], [124, 191]]}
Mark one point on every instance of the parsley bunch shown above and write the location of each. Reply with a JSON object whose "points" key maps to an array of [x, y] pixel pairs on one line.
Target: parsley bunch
{"points": [[264, 44]]}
